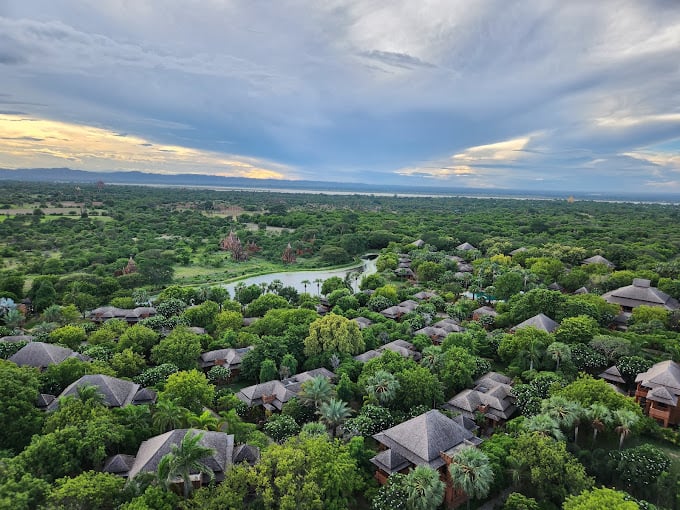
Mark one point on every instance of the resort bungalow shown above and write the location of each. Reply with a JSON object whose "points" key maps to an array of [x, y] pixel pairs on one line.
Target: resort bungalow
{"points": [[492, 396], [598, 259], [131, 316], [273, 394], [431, 439], [540, 321], [230, 358], [406, 349], [640, 293], [658, 389], [40, 355], [151, 451], [114, 392]]}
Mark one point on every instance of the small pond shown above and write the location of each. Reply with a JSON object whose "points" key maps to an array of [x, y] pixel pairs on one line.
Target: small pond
{"points": [[295, 278]]}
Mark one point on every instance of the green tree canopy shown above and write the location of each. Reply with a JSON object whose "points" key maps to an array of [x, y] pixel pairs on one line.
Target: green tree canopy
{"points": [[334, 333]]}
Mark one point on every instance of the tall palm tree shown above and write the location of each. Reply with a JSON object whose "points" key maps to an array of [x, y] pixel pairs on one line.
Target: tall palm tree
{"points": [[424, 489], [334, 413], [318, 282], [183, 459], [432, 358], [168, 416], [382, 386], [534, 351], [599, 417], [471, 472], [566, 412], [90, 394], [626, 420], [559, 352], [305, 283], [546, 425], [315, 391]]}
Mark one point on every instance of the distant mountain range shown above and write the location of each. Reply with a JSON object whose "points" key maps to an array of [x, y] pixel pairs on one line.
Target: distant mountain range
{"points": [[212, 181]]}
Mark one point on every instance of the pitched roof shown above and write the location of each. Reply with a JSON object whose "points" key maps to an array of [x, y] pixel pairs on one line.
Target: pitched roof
{"points": [[390, 461], [540, 321], [598, 259], [492, 391], [666, 373], [612, 374], [485, 310], [420, 440], [661, 394], [641, 293], [231, 357], [246, 453], [465, 247], [581, 290], [518, 250], [116, 392], [17, 338], [119, 464], [424, 295], [44, 399], [279, 392], [144, 396], [154, 449], [363, 322], [40, 355]]}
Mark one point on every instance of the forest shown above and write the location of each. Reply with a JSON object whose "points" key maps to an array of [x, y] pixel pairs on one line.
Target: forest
{"points": [[316, 393]]}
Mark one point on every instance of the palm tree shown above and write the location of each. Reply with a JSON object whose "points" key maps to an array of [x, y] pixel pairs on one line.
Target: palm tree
{"points": [[13, 319], [168, 416], [275, 286], [471, 472], [183, 459], [315, 391], [424, 489], [305, 283], [382, 386], [534, 351], [627, 420], [432, 358], [205, 421], [334, 413], [564, 411], [599, 417], [52, 313], [90, 394], [559, 352], [318, 282], [546, 425]]}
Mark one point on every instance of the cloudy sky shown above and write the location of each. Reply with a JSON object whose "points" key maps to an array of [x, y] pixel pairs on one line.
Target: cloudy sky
{"points": [[554, 95]]}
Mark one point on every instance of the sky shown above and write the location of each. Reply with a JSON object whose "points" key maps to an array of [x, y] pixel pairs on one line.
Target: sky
{"points": [[540, 95]]}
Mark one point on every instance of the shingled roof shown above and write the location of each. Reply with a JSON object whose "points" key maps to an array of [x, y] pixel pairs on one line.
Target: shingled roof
{"points": [[465, 247], [273, 394], [116, 392], [154, 449], [41, 355], [422, 439], [492, 395], [230, 357], [612, 374], [641, 293], [598, 259], [540, 321], [665, 374]]}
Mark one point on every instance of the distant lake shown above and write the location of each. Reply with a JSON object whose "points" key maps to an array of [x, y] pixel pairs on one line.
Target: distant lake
{"points": [[295, 278]]}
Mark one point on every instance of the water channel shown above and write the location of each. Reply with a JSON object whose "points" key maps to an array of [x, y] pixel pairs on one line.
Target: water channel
{"points": [[295, 279]]}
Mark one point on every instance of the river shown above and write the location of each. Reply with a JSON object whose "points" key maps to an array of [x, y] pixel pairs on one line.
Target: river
{"points": [[295, 278]]}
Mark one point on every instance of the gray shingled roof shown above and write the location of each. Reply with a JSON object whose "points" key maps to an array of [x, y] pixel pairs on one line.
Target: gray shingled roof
{"points": [[661, 394], [44, 399], [154, 449], [666, 373], [282, 391], [598, 259], [231, 357], [363, 322], [390, 461], [540, 321], [485, 310], [246, 453], [423, 294], [41, 355], [465, 247], [116, 392], [119, 464], [492, 390], [17, 338], [421, 439], [612, 374], [518, 250], [641, 293]]}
